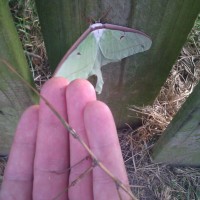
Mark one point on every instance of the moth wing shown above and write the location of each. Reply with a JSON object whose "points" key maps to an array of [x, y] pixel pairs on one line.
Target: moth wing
{"points": [[116, 45], [80, 62]]}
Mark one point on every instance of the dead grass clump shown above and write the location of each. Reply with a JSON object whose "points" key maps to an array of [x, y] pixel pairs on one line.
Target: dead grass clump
{"points": [[154, 181], [183, 77]]}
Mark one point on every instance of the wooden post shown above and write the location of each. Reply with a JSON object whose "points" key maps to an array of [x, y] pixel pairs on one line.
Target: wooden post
{"points": [[180, 143], [14, 96], [135, 80]]}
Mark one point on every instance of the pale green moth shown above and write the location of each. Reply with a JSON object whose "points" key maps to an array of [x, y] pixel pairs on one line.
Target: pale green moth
{"points": [[99, 45]]}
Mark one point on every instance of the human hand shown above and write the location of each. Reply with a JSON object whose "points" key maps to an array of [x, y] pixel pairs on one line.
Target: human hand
{"points": [[43, 152]]}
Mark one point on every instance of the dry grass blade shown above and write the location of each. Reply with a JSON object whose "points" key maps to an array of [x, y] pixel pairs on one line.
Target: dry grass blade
{"points": [[96, 162], [86, 172]]}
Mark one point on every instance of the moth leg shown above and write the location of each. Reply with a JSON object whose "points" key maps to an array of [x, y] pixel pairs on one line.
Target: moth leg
{"points": [[100, 82]]}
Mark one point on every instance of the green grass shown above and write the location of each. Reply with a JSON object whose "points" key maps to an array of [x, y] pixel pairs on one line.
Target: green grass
{"points": [[27, 24], [194, 36], [26, 21]]}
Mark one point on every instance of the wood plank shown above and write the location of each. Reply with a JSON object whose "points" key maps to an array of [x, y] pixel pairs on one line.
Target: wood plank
{"points": [[14, 95], [136, 80], [180, 142]]}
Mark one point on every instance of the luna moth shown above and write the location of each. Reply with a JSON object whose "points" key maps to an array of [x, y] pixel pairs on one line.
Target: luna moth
{"points": [[99, 45]]}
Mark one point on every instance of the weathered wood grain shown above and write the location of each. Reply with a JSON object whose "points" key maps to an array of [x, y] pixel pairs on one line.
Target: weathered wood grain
{"points": [[180, 143], [14, 96], [136, 80]]}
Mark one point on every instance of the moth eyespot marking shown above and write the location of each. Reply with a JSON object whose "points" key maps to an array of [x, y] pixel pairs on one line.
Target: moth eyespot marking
{"points": [[142, 46], [1, 113], [122, 37], [78, 54]]}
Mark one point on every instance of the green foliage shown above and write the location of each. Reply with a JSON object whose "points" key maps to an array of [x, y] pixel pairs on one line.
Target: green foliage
{"points": [[194, 36], [27, 24], [26, 21]]}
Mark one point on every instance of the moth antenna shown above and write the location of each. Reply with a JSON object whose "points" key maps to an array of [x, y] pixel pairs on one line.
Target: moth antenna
{"points": [[92, 20], [89, 20], [104, 18], [107, 20]]}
